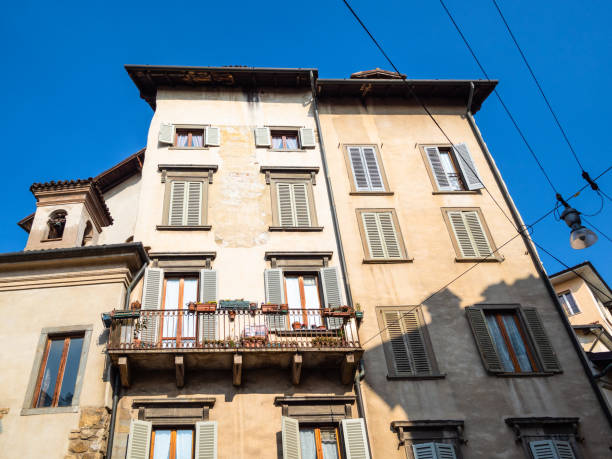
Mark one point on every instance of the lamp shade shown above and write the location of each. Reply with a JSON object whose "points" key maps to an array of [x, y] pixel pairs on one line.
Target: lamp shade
{"points": [[582, 237]]}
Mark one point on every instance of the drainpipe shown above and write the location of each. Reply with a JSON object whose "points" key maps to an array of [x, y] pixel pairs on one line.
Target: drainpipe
{"points": [[359, 374], [538, 264], [115, 381]]}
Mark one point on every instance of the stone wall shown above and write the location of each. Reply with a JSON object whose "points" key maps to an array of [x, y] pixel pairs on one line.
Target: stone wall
{"points": [[89, 440]]}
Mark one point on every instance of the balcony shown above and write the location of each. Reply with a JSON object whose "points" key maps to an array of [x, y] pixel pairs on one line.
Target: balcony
{"points": [[234, 339]]}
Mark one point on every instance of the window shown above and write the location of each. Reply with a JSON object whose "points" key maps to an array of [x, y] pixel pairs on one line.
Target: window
{"points": [[551, 449], [547, 437], [470, 236], [433, 451], [87, 234], [178, 325], [58, 372], [431, 438], [406, 342], [452, 169], [185, 203], [381, 236], [569, 303], [366, 169], [319, 442], [172, 443], [293, 206], [284, 140], [189, 138], [56, 224], [512, 340], [304, 299]]}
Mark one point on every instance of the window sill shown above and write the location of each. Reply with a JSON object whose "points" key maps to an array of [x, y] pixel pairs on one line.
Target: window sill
{"points": [[457, 192], [50, 410], [188, 148], [183, 228], [372, 261], [296, 228], [525, 375], [297, 150], [418, 377], [480, 260], [371, 193], [54, 239]]}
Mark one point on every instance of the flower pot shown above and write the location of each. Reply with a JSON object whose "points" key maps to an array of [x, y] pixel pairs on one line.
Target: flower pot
{"points": [[284, 307], [206, 307], [191, 306], [136, 342], [296, 325], [231, 314], [135, 305], [268, 308]]}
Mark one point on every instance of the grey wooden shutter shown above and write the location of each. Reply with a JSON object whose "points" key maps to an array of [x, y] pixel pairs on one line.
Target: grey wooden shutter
{"points": [[398, 358], [407, 342], [206, 440], [177, 203], [484, 341], [307, 138], [564, 449], [193, 211], [276, 322], [273, 280], [468, 168], [374, 175], [262, 137], [359, 169], [389, 235], [213, 136], [544, 348], [300, 203], [545, 449], [469, 234], [381, 235], [291, 438], [433, 155], [139, 441], [166, 133], [331, 287], [355, 442], [424, 451], [208, 285], [285, 204], [208, 327], [372, 235], [151, 300], [479, 238], [414, 326]]}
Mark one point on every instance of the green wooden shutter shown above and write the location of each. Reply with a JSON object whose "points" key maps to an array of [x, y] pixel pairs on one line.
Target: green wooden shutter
{"points": [[166, 134], [273, 280], [262, 137], [355, 442], [213, 136], [389, 235], [177, 203], [564, 449], [445, 451], [300, 203], [548, 357], [139, 440], [291, 438], [307, 138], [424, 451], [484, 341], [286, 206], [372, 235], [359, 169], [468, 168], [479, 238], [543, 449], [193, 206], [437, 169], [206, 440], [373, 169], [151, 300]]}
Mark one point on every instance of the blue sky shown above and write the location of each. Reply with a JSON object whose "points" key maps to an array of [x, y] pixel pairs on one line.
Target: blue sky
{"points": [[71, 111]]}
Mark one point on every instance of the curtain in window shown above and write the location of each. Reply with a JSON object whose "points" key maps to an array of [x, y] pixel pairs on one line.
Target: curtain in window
{"points": [[277, 142], [308, 444], [196, 140], [500, 344], [161, 446], [183, 444], [517, 342], [181, 140], [292, 143]]}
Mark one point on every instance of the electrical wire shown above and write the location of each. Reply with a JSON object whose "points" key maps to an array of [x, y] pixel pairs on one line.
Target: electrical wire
{"points": [[552, 112], [597, 229]]}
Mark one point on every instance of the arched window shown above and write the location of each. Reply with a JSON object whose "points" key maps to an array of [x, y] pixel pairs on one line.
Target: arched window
{"points": [[88, 234], [57, 223]]}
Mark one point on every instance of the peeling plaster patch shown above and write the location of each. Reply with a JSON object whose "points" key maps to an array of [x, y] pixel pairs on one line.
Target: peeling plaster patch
{"points": [[261, 238]]}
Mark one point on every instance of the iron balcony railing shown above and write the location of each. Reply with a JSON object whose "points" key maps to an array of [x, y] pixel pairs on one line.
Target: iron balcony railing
{"points": [[231, 329]]}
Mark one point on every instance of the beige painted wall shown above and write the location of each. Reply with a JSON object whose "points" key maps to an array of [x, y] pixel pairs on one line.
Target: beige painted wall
{"points": [[466, 392], [27, 311], [122, 202]]}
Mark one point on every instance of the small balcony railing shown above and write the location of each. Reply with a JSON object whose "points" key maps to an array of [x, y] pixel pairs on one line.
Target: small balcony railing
{"points": [[235, 329]]}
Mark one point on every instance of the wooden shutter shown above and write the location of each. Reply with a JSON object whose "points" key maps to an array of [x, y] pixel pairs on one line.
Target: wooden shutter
{"points": [[166, 134], [389, 235], [544, 348], [374, 175], [307, 138], [372, 235], [285, 204], [331, 287], [381, 235], [262, 137], [433, 155], [469, 234], [291, 438], [543, 449], [139, 441], [424, 451], [477, 233], [206, 440], [407, 347], [484, 341], [151, 300], [208, 285], [468, 168], [273, 280], [300, 202], [208, 329], [359, 169], [177, 203], [193, 211], [355, 441], [564, 450], [445, 451], [213, 136]]}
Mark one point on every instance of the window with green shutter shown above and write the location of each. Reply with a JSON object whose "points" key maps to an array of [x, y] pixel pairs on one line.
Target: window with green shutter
{"points": [[406, 342], [433, 451], [469, 234], [381, 235]]}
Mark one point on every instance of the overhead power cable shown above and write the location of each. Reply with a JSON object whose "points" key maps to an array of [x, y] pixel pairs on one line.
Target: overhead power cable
{"points": [[597, 229]]}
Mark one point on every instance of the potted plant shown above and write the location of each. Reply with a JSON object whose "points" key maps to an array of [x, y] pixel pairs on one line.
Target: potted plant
{"points": [[268, 308], [209, 306], [358, 312], [191, 306], [296, 325], [135, 305], [234, 304], [231, 314], [284, 308]]}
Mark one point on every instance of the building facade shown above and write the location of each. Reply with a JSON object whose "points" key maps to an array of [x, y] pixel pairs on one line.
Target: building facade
{"points": [[264, 280]]}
